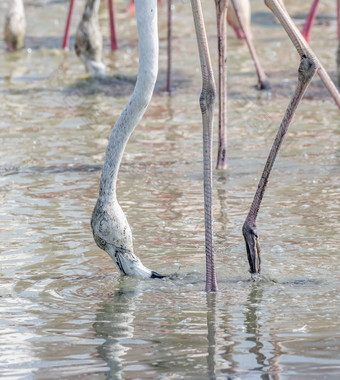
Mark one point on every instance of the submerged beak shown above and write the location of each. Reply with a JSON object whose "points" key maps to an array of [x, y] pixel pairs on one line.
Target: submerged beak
{"points": [[253, 247]]}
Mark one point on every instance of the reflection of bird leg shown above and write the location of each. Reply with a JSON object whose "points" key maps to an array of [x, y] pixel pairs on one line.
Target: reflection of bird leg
{"points": [[252, 324], [207, 101], [307, 71], [275, 368], [211, 327], [263, 82], [221, 14], [301, 46]]}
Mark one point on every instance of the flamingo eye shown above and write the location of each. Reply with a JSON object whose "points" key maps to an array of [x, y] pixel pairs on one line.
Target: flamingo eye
{"points": [[102, 243]]}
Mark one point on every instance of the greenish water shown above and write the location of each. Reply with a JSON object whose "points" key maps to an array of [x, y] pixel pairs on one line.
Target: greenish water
{"points": [[64, 310]]}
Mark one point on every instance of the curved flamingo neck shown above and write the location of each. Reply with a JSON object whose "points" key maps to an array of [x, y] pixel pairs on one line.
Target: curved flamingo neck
{"points": [[146, 13]]}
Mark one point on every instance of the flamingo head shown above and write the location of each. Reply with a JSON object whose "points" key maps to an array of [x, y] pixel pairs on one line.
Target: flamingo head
{"points": [[112, 234], [96, 69]]}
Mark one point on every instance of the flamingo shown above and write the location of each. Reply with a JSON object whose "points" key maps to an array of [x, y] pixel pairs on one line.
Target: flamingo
{"points": [[113, 38], [110, 227], [15, 25], [309, 66], [89, 40]]}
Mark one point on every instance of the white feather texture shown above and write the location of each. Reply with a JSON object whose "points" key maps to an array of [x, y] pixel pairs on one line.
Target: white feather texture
{"points": [[110, 227]]}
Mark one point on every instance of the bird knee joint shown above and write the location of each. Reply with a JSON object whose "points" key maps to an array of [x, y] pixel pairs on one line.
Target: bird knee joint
{"points": [[207, 99], [307, 69]]}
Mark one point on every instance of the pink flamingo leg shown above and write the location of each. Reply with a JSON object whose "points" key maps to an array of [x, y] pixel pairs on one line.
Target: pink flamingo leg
{"points": [[113, 37], [131, 7], [310, 21], [68, 24], [239, 33]]}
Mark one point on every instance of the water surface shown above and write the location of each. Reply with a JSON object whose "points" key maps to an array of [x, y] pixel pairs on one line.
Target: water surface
{"points": [[65, 311]]}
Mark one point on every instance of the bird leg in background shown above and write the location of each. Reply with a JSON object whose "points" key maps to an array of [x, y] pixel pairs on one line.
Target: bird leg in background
{"points": [[113, 37], [307, 70], [310, 20], [66, 37], [263, 82], [338, 62], [221, 14], [338, 17], [302, 47], [168, 75], [207, 101]]}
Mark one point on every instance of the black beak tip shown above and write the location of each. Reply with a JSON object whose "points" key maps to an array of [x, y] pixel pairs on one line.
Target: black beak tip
{"points": [[156, 275]]}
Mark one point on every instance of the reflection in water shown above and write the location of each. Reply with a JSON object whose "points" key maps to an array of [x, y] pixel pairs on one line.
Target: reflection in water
{"points": [[275, 367], [256, 336], [211, 325], [252, 324], [115, 324], [53, 132], [253, 341]]}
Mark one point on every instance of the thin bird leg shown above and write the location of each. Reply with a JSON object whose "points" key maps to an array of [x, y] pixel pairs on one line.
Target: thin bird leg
{"points": [[113, 37], [66, 38], [263, 82], [207, 101], [307, 70], [338, 17], [131, 7], [310, 20], [168, 76], [302, 47], [338, 61], [221, 14]]}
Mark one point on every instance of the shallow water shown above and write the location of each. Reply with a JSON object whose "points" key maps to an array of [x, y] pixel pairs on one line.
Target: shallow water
{"points": [[66, 313]]}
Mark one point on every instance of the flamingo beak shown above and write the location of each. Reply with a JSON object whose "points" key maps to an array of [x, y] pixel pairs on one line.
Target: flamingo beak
{"points": [[253, 247], [157, 275]]}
